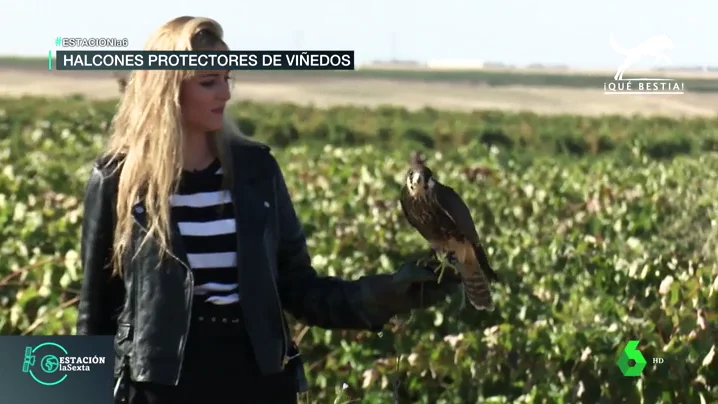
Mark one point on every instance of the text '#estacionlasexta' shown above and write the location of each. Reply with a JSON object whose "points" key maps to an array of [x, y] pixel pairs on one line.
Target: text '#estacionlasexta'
{"points": [[189, 61]]}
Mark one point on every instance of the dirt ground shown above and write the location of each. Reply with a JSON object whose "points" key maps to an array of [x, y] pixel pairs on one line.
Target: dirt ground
{"points": [[412, 95]]}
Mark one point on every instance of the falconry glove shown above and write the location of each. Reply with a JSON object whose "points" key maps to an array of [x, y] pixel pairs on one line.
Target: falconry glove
{"points": [[411, 287]]}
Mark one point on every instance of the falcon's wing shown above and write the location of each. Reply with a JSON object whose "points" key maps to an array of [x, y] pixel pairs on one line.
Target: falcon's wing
{"points": [[456, 209], [476, 267]]}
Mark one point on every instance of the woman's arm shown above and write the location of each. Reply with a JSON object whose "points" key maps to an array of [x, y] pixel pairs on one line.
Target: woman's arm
{"points": [[328, 302], [102, 294]]}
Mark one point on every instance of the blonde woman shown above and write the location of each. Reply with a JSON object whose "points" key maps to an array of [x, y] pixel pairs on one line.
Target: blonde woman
{"points": [[192, 249]]}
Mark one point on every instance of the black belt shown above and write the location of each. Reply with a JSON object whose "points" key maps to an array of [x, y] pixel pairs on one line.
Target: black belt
{"points": [[208, 313], [214, 319]]}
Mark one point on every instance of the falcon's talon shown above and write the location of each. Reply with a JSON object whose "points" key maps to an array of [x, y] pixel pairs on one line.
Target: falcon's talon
{"points": [[443, 264]]}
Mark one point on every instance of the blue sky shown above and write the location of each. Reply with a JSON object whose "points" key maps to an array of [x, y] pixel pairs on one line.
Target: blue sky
{"points": [[510, 31]]}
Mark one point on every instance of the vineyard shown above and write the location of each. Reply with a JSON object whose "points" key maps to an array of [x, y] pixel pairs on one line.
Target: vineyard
{"points": [[603, 230]]}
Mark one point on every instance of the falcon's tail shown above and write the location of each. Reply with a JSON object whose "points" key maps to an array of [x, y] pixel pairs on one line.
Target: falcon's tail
{"points": [[476, 285]]}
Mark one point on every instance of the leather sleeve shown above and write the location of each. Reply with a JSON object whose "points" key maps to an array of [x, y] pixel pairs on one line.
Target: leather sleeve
{"points": [[323, 301], [102, 294]]}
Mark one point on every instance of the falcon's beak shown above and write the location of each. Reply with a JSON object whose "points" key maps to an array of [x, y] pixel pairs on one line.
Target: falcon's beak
{"points": [[418, 184], [413, 182], [416, 178]]}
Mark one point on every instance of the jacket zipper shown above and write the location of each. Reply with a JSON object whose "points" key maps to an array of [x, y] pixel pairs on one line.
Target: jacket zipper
{"points": [[183, 340], [190, 299], [285, 356], [285, 341], [285, 337]]}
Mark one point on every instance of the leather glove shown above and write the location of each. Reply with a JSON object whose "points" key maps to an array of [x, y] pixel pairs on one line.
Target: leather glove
{"points": [[410, 287]]}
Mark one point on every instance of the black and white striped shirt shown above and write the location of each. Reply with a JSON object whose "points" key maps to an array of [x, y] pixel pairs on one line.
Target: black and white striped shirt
{"points": [[205, 216]]}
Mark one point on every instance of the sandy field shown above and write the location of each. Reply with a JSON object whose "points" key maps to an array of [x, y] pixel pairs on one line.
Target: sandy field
{"points": [[326, 92]]}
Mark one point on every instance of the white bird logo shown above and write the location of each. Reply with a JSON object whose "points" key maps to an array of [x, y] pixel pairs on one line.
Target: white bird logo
{"points": [[654, 46]]}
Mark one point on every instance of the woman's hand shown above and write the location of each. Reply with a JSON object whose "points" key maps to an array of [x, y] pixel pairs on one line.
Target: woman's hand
{"points": [[420, 285], [411, 287]]}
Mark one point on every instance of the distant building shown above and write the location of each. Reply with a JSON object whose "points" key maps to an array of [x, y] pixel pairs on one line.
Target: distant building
{"points": [[394, 62], [541, 66], [391, 64], [455, 64], [497, 65]]}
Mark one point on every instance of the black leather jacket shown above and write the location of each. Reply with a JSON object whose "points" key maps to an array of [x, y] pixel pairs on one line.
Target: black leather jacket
{"points": [[148, 309]]}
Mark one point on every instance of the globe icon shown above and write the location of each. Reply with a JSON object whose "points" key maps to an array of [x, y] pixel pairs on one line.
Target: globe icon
{"points": [[50, 363]]}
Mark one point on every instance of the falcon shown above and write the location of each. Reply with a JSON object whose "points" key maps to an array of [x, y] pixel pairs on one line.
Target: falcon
{"points": [[439, 214]]}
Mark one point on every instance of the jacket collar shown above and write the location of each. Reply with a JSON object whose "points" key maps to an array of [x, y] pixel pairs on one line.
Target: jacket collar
{"points": [[248, 159]]}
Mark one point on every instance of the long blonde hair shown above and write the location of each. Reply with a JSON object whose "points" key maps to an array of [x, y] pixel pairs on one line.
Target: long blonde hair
{"points": [[147, 135]]}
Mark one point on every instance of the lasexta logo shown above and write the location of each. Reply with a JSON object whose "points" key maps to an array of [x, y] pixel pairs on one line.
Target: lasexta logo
{"points": [[49, 363]]}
